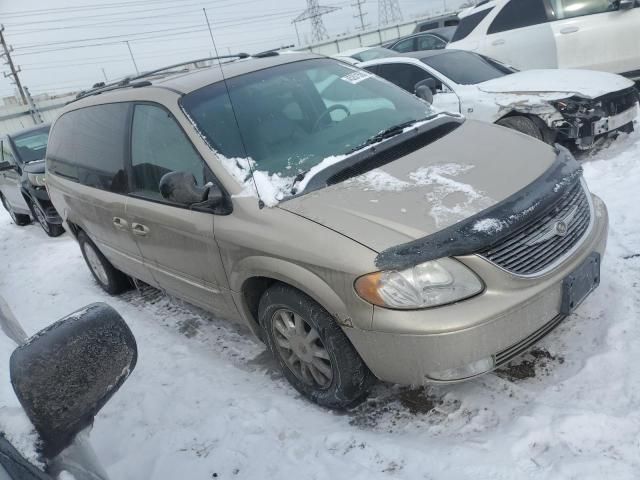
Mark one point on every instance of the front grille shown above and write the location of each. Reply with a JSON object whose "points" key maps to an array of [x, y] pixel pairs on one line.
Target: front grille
{"points": [[514, 350], [543, 241]]}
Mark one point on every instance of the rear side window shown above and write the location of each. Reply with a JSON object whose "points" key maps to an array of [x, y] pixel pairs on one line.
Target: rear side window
{"points": [[469, 23], [519, 14], [159, 146], [428, 26], [89, 146]]}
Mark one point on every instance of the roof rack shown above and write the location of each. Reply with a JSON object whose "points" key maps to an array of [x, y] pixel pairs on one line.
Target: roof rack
{"points": [[131, 81]]}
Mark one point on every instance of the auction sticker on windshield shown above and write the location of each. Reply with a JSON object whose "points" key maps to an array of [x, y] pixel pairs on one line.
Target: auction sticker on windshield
{"points": [[356, 77]]}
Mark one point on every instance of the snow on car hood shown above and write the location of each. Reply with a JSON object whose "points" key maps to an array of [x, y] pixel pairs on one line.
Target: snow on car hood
{"points": [[585, 83], [467, 171]]}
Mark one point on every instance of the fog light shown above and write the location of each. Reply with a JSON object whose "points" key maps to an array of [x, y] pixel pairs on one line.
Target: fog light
{"points": [[466, 371]]}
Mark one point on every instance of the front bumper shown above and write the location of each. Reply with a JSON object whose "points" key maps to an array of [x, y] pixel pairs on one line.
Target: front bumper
{"points": [[513, 313]]}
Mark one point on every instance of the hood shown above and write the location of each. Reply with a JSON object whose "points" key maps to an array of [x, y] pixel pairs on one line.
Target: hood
{"points": [[467, 171], [36, 166], [585, 83]]}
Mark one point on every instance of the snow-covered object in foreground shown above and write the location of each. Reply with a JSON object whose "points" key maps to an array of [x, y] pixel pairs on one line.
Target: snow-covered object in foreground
{"points": [[568, 106]]}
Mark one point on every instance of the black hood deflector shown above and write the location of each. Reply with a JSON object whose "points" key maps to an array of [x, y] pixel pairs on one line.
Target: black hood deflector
{"points": [[464, 237]]}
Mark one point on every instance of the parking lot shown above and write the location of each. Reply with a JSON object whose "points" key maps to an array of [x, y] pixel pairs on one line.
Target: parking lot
{"points": [[203, 399]]}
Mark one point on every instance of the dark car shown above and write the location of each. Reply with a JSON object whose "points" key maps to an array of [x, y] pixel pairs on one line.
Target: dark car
{"points": [[22, 177], [436, 39]]}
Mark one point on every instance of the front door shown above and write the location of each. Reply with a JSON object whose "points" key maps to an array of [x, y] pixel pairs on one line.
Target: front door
{"points": [[591, 34], [177, 244], [10, 180]]}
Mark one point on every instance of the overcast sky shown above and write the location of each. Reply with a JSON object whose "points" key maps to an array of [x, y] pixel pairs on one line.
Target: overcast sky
{"points": [[63, 45]]}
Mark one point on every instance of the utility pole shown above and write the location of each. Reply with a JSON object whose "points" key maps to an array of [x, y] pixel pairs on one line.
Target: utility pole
{"points": [[33, 110], [132, 59], [14, 70], [358, 4]]}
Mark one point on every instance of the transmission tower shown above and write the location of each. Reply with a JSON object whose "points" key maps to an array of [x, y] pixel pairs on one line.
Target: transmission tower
{"points": [[389, 12], [314, 13], [360, 15]]}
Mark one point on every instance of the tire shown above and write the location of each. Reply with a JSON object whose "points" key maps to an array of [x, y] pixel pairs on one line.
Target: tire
{"points": [[336, 377], [523, 125], [112, 280], [18, 218], [51, 229]]}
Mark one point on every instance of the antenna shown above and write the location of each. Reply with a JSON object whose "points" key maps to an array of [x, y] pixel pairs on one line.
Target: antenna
{"points": [[314, 13], [389, 12], [233, 110]]}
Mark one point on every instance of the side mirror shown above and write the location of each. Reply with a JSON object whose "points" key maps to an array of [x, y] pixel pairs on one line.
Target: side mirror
{"points": [[626, 4], [65, 373], [5, 166], [181, 187]]}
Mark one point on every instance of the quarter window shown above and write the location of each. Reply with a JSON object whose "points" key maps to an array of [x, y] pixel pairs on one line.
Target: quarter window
{"points": [[159, 146], [519, 14], [89, 145], [576, 8], [469, 23]]}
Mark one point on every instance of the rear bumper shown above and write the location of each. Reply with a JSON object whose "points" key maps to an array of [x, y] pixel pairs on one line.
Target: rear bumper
{"points": [[510, 316]]}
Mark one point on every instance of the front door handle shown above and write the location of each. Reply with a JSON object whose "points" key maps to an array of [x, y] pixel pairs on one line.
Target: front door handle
{"points": [[120, 223], [497, 42], [139, 229], [571, 29]]}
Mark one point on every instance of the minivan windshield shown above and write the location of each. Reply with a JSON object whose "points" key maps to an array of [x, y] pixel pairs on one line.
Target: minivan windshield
{"points": [[467, 68], [32, 146], [289, 118]]}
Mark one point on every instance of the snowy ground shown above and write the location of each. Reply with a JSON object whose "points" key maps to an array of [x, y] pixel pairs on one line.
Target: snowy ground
{"points": [[206, 402]]}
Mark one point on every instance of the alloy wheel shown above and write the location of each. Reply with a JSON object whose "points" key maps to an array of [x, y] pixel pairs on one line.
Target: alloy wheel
{"points": [[95, 264], [40, 217], [299, 345]]}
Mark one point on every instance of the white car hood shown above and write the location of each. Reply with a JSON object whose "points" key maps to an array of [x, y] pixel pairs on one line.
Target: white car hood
{"points": [[586, 83]]}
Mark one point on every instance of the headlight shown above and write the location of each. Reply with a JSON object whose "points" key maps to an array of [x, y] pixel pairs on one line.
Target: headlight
{"points": [[428, 284], [36, 179]]}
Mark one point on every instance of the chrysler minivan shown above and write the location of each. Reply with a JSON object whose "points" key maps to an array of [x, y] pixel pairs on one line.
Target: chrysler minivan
{"points": [[359, 233]]}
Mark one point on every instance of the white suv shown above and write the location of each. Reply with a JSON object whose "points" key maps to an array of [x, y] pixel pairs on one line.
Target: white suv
{"points": [[593, 34]]}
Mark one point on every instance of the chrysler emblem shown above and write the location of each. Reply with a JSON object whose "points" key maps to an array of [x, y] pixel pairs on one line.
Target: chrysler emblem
{"points": [[556, 228]]}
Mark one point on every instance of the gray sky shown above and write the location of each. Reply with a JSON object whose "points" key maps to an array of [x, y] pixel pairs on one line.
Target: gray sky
{"points": [[50, 38]]}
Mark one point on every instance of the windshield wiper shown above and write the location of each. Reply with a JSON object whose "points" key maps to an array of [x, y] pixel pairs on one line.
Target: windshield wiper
{"points": [[391, 132]]}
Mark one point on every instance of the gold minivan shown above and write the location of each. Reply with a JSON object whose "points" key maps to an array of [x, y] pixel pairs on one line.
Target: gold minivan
{"points": [[359, 233]]}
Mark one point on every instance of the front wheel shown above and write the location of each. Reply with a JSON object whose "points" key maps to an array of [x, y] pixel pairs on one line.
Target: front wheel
{"points": [[51, 229], [112, 280], [313, 352], [18, 218], [523, 125]]}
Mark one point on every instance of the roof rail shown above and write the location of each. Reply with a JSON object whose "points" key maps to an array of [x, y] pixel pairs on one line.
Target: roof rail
{"points": [[131, 80]]}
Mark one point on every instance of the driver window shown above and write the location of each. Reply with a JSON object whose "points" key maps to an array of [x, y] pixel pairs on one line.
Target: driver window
{"points": [[404, 46], [404, 75], [159, 146], [430, 42]]}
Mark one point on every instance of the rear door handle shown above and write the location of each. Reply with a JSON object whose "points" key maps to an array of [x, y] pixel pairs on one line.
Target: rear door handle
{"points": [[120, 223], [571, 29], [139, 229], [497, 42]]}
